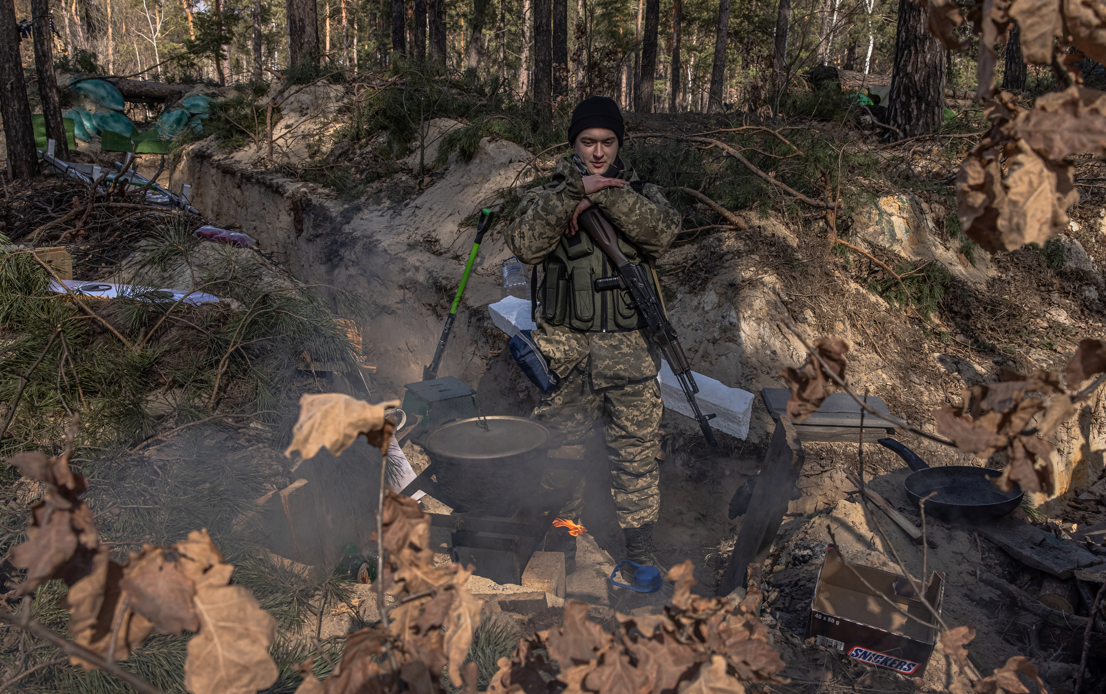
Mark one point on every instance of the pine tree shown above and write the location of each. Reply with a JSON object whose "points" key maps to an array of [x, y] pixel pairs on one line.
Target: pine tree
{"points": [[18, 131], [917, 97], [677, 26], [718, 70], [560, 46], [398, 29], [47, 81], [644, 96], [1014, 74], [303, 32], [543, 64]]}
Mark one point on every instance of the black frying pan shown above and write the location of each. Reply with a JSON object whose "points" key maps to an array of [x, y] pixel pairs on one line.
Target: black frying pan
{"points": [[964, 493]]}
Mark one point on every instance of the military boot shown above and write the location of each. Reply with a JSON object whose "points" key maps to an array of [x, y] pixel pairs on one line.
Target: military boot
{"points": [[639, 549]]}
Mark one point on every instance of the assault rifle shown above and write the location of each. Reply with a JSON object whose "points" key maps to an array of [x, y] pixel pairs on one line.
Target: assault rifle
{"points": [[635, 279]]}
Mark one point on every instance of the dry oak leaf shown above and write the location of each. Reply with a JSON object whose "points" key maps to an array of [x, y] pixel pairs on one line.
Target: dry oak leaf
{"points": [[713, 679], [463, 617], [966, 434], [310, 685], [334, 421], [1038, 195], [230, 654], [160, 592], [1030, 466], [577, 640], [1064, 123], [683, 576], [1085, 21], [1039, 23], [810, 386], [51, 542], [1089, 360], [954, 641], [358, 673], [663, 660], [993, 25], [615, 675], [116, 615], [86, 597], [1006, 678], [944, 18]]}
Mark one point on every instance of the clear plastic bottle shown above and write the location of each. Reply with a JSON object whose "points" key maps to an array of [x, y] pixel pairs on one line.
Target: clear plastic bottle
{"points": [[515, 282]]}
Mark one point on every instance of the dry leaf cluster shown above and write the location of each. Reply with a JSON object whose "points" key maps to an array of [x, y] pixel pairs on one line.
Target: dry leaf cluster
{"points": [[113, 608], [811, 385], [1004, 679], [430, 628], [998, 417], [335, 420], [991, 418], [1015, 186], [696, 645]]}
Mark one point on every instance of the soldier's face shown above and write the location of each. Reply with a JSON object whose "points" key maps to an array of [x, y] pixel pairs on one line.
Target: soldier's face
{"points": [[597, 148]]}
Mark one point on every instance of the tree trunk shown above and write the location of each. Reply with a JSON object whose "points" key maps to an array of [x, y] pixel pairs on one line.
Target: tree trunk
{"points": [[560, 46], [644, 96], [850, 57], [219, 45], [543, 63], [674, 85], [303, 32], [632, 96], [345, 35], [718, 71], [783, 26], [437, 31], [326, 24], [871, 6], [825, 31], [917, 97], [111, 40], [501, 38], [579, 41], [1013, 76], [399, 15], [418, 33], [475, 48], [18, 131], [524, 57], [256, 44], [47, 81], [188, 15]]}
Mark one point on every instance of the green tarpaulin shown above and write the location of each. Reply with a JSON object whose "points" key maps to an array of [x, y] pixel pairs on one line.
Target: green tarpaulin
{"points": [[38, 122]]}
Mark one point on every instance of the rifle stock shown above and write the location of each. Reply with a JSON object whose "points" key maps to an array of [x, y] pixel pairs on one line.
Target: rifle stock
{"points": [[636, 281]]}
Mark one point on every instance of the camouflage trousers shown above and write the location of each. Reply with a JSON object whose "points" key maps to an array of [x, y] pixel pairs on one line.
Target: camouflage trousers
{"points": [[631, 417]]}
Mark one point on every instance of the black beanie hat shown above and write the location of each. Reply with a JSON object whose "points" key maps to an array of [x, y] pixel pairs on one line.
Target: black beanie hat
{"points": [[596, 112]]}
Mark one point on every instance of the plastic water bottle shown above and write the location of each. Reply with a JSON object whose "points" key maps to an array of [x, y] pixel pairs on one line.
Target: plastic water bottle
{"points": [[515, 282]]}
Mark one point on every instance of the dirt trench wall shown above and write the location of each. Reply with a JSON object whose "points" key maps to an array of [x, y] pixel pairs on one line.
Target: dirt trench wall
{"points": [[405, 259]]}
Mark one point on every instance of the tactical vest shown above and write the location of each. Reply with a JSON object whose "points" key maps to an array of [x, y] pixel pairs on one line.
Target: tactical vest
{"points": [[567, 293]]}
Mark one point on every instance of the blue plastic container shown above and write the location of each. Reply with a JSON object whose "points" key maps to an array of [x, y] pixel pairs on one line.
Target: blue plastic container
{"points": [[647, 579]]}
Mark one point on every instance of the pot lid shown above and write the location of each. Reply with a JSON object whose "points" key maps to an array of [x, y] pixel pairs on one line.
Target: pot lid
{"points": [[487, 438]]}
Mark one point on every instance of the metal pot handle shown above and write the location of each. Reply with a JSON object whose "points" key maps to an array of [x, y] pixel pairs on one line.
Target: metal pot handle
{"points": [[912, 459]]}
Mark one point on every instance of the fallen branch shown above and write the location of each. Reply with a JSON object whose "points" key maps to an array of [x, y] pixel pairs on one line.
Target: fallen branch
{"points": [[1029, 604], [932, 135], [80, 303], [1087, 638], [24, 621], [23, 381], [877, 261], [726, 214], [748, 165], [164, 436]]}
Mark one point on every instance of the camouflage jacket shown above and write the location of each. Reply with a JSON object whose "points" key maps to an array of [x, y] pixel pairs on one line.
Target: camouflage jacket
{"points": [[646, 218]]}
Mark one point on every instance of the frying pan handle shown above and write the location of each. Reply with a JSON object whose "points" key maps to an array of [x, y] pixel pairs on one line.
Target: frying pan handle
{"points": [[912, 459]]}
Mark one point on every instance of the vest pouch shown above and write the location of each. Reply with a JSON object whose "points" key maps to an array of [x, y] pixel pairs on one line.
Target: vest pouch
{"points": [[578, 246], [626, 317], [555, 295], [583, 298]]}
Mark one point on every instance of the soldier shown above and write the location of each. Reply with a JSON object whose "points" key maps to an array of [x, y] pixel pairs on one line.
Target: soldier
{"points": [[594, 340]]}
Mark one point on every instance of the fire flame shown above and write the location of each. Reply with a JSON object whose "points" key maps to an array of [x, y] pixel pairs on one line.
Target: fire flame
{"points": [[574, 528]]}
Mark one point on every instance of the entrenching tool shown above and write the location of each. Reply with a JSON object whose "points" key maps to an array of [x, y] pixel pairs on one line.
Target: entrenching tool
{"points": [[429, 373], [635, 279]]}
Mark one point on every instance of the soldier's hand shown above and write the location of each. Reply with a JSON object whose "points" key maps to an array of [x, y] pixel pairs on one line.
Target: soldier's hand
{"points": [[594, 184], [574, 225]]}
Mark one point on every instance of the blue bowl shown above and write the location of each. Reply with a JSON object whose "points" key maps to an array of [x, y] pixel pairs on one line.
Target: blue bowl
{"points": [[647, 579]]}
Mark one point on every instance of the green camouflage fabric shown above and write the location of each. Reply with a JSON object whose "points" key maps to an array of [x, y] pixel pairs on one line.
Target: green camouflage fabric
{"points": [[631, 417], [647, 219], [605, 377]]}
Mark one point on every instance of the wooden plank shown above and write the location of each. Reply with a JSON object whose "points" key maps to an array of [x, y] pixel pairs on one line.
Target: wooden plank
{"points": [[780, 472], [892, 512], [1036, 548], [838, 410], [841, 434]]}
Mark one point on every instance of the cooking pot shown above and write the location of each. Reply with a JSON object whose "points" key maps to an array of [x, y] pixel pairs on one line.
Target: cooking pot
{"points": [[488, 464]]}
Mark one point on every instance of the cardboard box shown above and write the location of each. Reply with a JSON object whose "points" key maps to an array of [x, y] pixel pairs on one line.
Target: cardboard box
{"points": [[847, 615]]}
